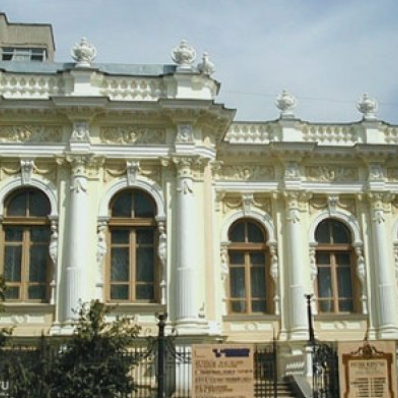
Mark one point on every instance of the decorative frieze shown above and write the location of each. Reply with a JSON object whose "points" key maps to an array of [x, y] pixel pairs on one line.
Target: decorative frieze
{"points": [[330, 173], [246, 173], [132, 135], [30, 133]]}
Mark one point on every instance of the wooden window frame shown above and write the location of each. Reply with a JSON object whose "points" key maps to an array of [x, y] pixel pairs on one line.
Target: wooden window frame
{"points": [[26, 223], [132, 225], [333, 250], [247, 248]]}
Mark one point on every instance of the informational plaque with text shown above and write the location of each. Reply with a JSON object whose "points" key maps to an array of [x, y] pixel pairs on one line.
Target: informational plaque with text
{"points": [[367, 370], [222, 371]]}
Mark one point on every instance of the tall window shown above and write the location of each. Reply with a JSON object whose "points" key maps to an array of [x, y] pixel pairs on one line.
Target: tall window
{"points": [[249, 284], [25, 261], [336, 278], [132, 272]]}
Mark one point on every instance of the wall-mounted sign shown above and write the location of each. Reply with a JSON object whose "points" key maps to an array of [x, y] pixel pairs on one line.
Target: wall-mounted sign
{"points": [[222, 371], [367, 370]]}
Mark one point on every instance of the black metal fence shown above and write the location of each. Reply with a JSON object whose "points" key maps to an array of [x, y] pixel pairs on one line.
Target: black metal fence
{"points": [[149, 379]]}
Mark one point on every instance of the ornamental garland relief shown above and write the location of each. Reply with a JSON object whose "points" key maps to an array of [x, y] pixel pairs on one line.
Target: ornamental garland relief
{"points": [[318, 203], [25, 166], [132, 135], [245, 202], [30, 133], [246, 173], [116, 170], [331, 173]]}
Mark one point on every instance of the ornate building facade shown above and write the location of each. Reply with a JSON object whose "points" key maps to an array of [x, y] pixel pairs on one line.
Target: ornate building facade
{"points": [[132, 185]]}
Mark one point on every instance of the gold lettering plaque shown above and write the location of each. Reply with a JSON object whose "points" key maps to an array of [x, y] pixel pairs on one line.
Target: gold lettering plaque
{"points": [[367, 370]]}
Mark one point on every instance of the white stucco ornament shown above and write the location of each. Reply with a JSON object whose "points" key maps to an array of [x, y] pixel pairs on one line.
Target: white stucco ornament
{"points": [[368, 107], [184, 55], [206, 67], [83, 53], [286, 103]]}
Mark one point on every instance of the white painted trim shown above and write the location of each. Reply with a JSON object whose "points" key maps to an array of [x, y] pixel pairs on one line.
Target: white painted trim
{"points": [[340, 215], [121, 183], [44, 185], [260, 216]]}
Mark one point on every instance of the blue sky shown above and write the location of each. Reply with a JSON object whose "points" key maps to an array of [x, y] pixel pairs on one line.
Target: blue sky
{"points": [[325, 52]]}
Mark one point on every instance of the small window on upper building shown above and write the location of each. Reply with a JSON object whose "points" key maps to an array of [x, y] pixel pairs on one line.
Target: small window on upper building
{"points": [[23, 54]]}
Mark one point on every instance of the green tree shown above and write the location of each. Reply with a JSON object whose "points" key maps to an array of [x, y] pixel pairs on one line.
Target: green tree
{"points": [[94, 362]]}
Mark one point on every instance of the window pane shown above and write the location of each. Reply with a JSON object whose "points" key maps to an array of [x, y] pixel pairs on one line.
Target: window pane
{"points": [[119, 292], [143, 206], [322, 234], [38, 263], [144, 292], [37, 292], [39, 205], [238, 306], [236, 258], [324, 283], [12, 293], [120, 235], [346, 306], [17, 205], [120, 264], [237, 282], [257, 275], [344, 282], [145, 236], [12, 263], [341, 233], [257, 258], [237, 232], [259, 306], [145, 264], [40, 235], [122, 205], [323, 258], [325, 305], [13, 234], [255, 233], [343, 258]]}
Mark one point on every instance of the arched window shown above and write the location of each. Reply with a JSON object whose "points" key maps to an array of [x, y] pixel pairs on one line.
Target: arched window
{"points": [[25, 260], [249, 284], [132, 271], [336, 278]]}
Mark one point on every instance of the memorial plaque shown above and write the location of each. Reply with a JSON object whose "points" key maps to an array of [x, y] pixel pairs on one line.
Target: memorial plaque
{"points": [[367, 370], [222, 371]]}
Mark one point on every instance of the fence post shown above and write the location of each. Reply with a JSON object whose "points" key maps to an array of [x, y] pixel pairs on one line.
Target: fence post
{"points": [[161, 354]]}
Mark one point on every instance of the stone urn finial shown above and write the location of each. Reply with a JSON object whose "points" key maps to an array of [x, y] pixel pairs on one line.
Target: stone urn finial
{"points": [[286, 103], [184, 55], [206, 67], [83, 53], [368, 107]]}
